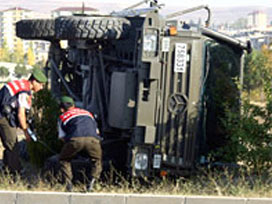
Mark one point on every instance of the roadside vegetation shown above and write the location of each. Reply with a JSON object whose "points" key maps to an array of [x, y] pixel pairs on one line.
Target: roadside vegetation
{"points": [[207, 182], [249, 132]]}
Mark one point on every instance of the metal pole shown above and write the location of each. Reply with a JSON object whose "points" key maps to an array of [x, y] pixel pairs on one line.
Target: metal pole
{"points": [[222, 37], [179, 13], [54, 66], [241, 80], [136, 5]]}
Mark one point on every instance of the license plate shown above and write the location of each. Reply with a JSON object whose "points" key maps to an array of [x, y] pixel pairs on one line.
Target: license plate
{"points": [[180, 57], [157, 161]]}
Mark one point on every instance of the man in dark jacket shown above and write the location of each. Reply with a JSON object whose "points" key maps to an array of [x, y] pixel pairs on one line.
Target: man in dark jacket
{"points": [[15, 100], [78, 129]]}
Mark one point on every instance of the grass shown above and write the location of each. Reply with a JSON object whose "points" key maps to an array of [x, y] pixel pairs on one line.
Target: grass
{"points": [[204, 183]]}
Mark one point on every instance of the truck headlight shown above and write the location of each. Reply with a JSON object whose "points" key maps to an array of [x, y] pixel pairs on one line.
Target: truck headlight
{"points": [[141, 161]]}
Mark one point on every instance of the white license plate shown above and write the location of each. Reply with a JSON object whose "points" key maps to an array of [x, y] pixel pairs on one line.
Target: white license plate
{"points": [[180, 57], [157, 161]]}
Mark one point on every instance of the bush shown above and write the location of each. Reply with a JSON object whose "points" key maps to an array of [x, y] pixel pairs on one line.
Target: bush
{"points": [[248, 132], [249, 137], [4, 72], [21, 71], [45, 113]]}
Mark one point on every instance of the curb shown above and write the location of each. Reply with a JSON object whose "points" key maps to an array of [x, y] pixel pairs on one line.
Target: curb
{"points": [[26, 197]]}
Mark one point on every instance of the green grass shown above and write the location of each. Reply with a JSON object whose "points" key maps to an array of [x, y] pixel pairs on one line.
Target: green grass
{"points": [[204, 183]]}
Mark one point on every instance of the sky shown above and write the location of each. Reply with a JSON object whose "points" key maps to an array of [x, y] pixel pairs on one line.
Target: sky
{"points": [[116, 4], [107, 6], [217, 3], [222, 10]]}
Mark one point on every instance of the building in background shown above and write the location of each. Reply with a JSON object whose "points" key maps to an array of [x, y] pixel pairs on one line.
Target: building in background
{"points": [[257, 20], [8, 19]]}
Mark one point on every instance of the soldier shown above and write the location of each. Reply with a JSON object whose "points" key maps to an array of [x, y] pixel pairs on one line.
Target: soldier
{"points": [[78, 129], [15, 100]]}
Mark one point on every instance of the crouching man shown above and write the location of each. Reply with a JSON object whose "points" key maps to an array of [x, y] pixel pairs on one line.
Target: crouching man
{"points": [[15, 100], [78, 129]]}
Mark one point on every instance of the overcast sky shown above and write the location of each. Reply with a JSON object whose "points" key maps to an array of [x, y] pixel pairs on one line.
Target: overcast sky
{"points": [[183, 3], [217, 3], [47, 5]]}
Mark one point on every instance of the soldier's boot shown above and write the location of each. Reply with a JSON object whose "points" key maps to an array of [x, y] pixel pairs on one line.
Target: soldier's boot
{"points": [[69, 187]]}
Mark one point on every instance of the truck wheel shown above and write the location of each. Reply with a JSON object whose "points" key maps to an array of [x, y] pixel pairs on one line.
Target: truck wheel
{"points": [[38, 29], [96, 27]]}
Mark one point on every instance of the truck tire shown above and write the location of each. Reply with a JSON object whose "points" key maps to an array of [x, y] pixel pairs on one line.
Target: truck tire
{"points": [[38, 29], [96, 27]]}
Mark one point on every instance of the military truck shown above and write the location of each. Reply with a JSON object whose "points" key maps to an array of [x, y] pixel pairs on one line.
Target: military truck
{"points": [[147, 78]]}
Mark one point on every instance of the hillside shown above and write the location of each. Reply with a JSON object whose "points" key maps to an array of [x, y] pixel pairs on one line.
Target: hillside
{"points": [[222, 15]]}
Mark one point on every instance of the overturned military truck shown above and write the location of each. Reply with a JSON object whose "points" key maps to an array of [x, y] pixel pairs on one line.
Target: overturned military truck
{"points": [[147, 79]]}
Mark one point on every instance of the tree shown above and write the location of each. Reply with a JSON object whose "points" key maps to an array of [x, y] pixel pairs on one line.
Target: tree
{"points": [[20, 71], [5, 54], [248, 132], [4, 72], [267, 76], [18, 55], [258, 67], [255, 71], [30, 56]]}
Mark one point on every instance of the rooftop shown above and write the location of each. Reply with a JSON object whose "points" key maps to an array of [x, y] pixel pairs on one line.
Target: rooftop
{"points": [[257, 12], [16, 9]]}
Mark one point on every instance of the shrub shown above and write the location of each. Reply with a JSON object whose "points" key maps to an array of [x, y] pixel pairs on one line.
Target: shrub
{"points": [[45, 113], [248, 132], [4, 72], [248, 137]]}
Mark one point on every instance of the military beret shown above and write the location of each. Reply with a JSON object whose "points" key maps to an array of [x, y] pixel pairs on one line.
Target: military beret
{"points": [[66, 99], [39, 75]]}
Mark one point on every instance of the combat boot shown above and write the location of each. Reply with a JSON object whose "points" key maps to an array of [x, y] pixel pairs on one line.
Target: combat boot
{"points": [[69, 187]]}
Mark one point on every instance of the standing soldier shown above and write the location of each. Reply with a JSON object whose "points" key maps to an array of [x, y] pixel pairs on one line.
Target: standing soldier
{"points": [[15, 99], [78, 129]]}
